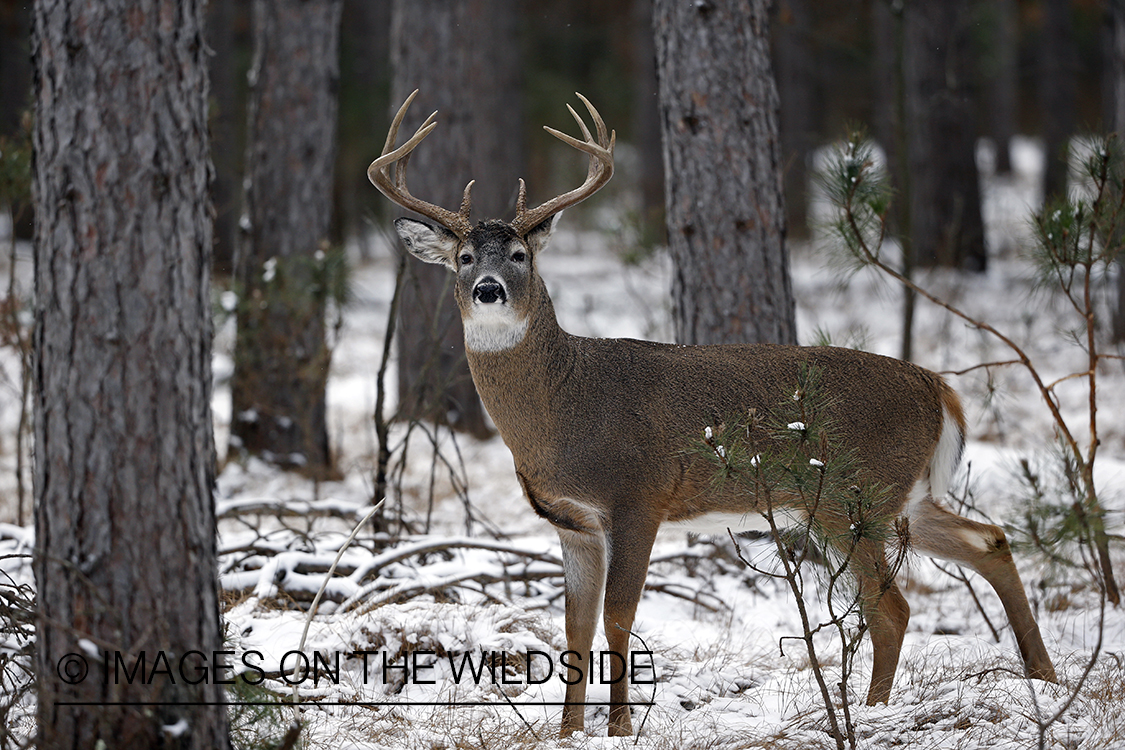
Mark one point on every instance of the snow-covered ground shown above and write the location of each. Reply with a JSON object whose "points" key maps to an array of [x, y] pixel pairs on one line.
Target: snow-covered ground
{"points": [[724, 676]]}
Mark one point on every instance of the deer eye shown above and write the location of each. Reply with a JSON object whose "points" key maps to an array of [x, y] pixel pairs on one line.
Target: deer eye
{"points": [[518, 256], [466, 259]]}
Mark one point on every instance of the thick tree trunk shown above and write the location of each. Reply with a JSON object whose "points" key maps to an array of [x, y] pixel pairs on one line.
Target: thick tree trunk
{"points": [[945, 217], [886, 79], [281, 356], [1057, 92], [228, 120], [365, 89], [124, 455], [15, 66], [1116, 118], [796, 83], [1003, 79], [722, 166], [463, 56], [646, 125], [15, 87], [891, 128]]}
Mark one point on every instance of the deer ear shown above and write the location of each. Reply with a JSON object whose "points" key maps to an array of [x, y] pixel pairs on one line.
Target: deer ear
{"points": [[539, 236], [429, 243]]}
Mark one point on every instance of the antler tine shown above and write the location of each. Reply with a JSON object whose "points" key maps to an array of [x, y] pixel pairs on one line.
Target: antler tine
{"points": [[467, 200], [521, 199], [581, 124], [392, 134], [395, 188], [387, 156], [601, 169], [598, 122]]}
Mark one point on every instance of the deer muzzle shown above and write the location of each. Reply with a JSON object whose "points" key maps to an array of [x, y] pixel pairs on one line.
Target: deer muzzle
{"points": [[488, 291]]}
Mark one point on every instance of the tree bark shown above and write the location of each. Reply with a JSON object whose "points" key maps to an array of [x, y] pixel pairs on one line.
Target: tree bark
{"points": [[463, 56], [891, 132], [722, 166], [1116, 86], [1003, 83], [15, 89], [15, 66], [228, 118], [365, 89], [646, 125], [886, 79], [796, 88], [1057, 92], [124, 456], [945, 217], [281, 356]]}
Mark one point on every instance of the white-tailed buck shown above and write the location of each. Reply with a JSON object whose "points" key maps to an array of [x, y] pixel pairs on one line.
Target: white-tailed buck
{"points": [[602, 430]]}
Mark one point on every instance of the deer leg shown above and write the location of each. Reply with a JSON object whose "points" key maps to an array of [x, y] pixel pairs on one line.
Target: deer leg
{"points": [[630, 546], [584, 574], [983, 547], [886, 612]]}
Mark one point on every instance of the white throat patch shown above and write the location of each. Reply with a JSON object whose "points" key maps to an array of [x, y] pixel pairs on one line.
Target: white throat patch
{"points": [[491, 328]]}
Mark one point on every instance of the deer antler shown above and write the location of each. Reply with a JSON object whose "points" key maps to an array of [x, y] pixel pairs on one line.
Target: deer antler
{"points": [[395, 189], [601, 169]]}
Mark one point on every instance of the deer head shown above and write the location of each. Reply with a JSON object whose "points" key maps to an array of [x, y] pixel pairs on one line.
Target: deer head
{"points": [[497, 287]]}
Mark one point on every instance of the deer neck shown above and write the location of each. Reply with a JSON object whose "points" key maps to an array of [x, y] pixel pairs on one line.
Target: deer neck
{"points": [[518, 385]]}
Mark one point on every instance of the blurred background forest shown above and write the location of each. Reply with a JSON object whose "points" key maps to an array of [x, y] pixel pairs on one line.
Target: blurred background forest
{"points": [[1026, 58]]}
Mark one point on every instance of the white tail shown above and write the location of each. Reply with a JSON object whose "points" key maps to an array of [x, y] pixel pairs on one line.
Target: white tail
{"points": [[601, 430]]}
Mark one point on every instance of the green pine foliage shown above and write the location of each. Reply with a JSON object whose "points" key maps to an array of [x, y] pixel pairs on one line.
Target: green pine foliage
{"points": [[1076, 238], [789, 458], [790, 462]]}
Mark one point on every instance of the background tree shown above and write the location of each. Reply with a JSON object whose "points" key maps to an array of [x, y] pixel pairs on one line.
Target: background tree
{"points": [[463, 56], [646, 123], [1001, 66], [15, 83], [124, 456], [722, 165], [797, 123], [281, 353], [945, 219], [1056, 91], [365, 80], [890, 129], [225, 18], [15, 65], [1115, 121]]}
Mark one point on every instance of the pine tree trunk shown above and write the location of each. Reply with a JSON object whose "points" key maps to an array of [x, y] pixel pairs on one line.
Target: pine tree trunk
{"points": [[722, 166], [462, 55], [646, 125], [15, 67], [945, 217], [891, 130], [15, 88], [1116, 119], [796, 88], [124, 455], [1057, 92], [365, 80], [1003, 86], [228, 120], [281, 356], [886, 79]]}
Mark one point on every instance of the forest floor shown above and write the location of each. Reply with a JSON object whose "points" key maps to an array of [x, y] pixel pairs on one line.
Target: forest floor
{"points": [[477, 570]]}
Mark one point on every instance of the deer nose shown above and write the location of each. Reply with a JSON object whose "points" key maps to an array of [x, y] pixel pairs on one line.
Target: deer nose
{"points": [[489, 290]]}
